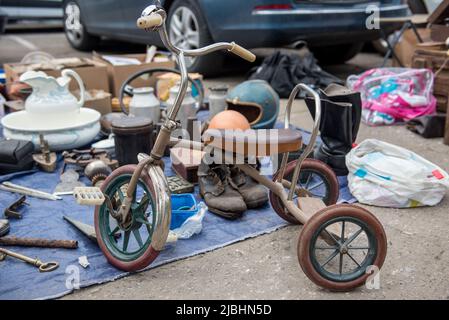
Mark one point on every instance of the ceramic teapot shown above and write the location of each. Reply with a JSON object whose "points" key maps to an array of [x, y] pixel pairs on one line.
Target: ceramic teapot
{"points": [[51, 96]]}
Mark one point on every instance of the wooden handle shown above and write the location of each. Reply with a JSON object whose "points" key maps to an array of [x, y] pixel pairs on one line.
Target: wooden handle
{"points": [[242, 52], [151, 21]]}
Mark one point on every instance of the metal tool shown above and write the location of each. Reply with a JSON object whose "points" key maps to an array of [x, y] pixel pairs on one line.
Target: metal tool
{"points": [[84, 228], [11, 187], [43, 266], [4, 227], [35, 242], [87, 229], [12, 210]]}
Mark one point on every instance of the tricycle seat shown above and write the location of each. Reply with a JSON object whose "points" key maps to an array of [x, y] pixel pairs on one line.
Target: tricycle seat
{"points": [[254, 142]]}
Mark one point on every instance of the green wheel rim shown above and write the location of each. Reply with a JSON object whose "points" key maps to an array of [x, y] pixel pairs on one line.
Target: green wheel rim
{"points": [[335, 251], [130, 245]]}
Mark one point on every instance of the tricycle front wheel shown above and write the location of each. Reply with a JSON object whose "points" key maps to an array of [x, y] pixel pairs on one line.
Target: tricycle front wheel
{"points": [[127, 246], [341, 262]]}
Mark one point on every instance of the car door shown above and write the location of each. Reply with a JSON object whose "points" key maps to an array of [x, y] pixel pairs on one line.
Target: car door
{"points": [[132, 10], [103, 16]]}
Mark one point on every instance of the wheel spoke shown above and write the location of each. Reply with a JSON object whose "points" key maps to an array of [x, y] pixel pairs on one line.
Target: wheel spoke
{"points": [[136, 234], [120, 195], [331, 236], [329, 259], [113, 232], [177, 24], [358, 248], [143, 221], [315, 186], [340, 268], [308, 181], [142, 205], [126, 240], [353, 237], [352, 258], [326, 248], [342, 237]]}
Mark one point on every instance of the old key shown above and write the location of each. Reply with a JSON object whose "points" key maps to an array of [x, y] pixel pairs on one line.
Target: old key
{"points": [[43, 266]]}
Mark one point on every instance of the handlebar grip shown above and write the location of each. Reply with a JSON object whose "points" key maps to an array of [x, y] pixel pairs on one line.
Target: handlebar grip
{"points": [[151, 21], [242, 52]]}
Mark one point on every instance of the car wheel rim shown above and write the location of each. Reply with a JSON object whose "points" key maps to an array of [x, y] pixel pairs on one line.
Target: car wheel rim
{"points": [[184, 32], [73, 25]]}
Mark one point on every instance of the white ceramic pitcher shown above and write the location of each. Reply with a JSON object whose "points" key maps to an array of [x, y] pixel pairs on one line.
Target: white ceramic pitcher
{"points": [[51, 96]]}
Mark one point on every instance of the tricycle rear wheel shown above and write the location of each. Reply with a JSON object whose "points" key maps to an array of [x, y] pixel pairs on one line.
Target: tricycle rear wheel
{"points": [[324, 186], [362, 242]]}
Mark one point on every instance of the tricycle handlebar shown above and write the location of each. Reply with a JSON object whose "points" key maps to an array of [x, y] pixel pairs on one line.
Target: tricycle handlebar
{"points": [[151, 21]]}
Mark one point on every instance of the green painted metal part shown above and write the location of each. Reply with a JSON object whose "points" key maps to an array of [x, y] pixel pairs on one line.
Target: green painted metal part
{"points": [[139, 221], [359, 270]]}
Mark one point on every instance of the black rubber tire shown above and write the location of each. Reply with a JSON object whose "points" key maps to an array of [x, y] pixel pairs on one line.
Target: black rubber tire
{"points": [[309, 165], [330, 55], [208, 65], [320, 218], [86, 42]]}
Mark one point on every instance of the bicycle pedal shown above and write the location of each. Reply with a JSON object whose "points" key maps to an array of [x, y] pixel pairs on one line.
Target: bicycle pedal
{"points": [[88, 196]]}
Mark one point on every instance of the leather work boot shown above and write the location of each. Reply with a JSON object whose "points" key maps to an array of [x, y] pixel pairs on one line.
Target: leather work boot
{"points": [[218, 193], [254, 194], [4, 227]]}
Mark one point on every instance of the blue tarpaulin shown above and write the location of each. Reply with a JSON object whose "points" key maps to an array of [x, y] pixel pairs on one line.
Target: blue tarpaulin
{"points": [[44, 219]]}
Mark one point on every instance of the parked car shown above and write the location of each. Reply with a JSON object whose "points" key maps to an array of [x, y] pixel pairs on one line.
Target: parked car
{"points": [[15, 10], [338, 27]]}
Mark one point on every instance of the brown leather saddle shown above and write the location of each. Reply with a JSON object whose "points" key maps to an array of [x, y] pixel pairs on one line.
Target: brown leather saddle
{"points": [[254, 142]]}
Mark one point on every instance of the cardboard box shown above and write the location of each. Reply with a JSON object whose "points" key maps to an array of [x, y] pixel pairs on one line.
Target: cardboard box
{"points": [[405, 49], [167, 80], [98, 100], [118, 74], [93, 73]]}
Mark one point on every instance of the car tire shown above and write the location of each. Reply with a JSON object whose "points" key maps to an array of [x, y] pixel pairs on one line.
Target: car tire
{"points": [[337, 54], [75, 30], [208, 65]]}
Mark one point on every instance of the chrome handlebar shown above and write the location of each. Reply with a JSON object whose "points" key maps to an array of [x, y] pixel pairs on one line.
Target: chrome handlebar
{"points": [[153, 19], [317, 120], [156, 20]]}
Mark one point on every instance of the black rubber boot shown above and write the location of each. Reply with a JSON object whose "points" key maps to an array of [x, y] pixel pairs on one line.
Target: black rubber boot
{"points": [[339, 126]]}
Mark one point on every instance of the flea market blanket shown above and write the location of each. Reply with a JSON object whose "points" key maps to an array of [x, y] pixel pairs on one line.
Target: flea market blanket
{"points": [[44, 219]]}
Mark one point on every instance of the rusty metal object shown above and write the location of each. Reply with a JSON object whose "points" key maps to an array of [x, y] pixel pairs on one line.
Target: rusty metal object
{"points": [[46, 160], [97, 171], [85, 229], [12, 210], [84, 157], [40, 243]]}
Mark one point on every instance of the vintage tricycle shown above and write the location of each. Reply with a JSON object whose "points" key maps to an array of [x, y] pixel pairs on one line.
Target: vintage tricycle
{"points": [[338, 245]]}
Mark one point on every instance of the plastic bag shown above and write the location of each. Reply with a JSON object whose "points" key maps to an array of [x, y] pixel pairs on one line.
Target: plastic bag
{"points": [[193, 225], [385, 175], [392, 95]]}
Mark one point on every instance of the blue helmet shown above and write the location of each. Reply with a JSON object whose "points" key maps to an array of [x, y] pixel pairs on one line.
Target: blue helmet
{"points": [[257, 101]]}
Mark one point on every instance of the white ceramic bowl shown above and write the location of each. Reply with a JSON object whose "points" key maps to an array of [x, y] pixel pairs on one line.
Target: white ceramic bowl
{"points": [[63, 134]]}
